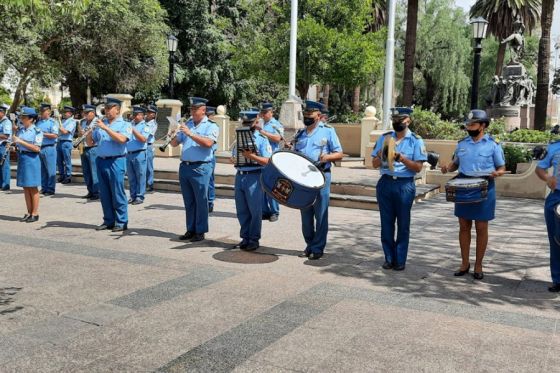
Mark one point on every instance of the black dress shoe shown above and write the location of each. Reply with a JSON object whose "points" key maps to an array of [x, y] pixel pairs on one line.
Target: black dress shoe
{"points": [[197, 237], [102, 227], [265, 217], [88, 196], [93, 198], [304, 254], [130, 200], [273, 218], [251, 246], [119, 228], [59, 179], [32, 219], [315, 256], [187, 236], [67, 181], [462, 272], [387, 265], [555, 288], [150, 189], [48, 194], [137, 202], [25, 217], [6, 189], [210, 208], [478, 275], [399, 268]]}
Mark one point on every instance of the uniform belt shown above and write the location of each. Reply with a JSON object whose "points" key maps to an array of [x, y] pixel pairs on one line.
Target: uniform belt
{"points": [[194, 163], [46, 146], [65, 140], [399, 178], [112, 157], [249, 172], [90, 147], [137, 151], [150, 143]]}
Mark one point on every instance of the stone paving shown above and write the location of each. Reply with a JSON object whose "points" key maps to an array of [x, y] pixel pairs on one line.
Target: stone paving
{"points": [[74, 299]]}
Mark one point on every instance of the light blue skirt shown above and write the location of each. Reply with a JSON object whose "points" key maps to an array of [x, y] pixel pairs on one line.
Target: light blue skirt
{"points": [[28, 170], [481, 211]]}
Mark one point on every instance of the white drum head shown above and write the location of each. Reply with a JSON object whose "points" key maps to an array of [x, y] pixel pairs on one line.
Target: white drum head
{"points": [[298, 169], [465, 181], [557, 209]]}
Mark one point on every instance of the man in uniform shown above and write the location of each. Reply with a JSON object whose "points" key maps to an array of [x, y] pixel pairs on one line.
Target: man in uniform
{"points": [[197, 136], [273, 130], [319, 142], [151, 123], [5, 137], [111, 136], [64, 146], [89, 155], [210, 113], [136, 162], [50, 129], [396, 189]]}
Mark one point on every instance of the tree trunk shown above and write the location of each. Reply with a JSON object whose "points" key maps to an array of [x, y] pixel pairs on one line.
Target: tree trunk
{"points": [[410, 52], [541, 100], [302, 88], [500, 59], [356, 99], [326, 94], [78, 89], [20, 90]]}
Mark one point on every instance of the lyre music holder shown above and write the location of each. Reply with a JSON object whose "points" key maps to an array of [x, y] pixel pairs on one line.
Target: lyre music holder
{"points": [[245, 141]]}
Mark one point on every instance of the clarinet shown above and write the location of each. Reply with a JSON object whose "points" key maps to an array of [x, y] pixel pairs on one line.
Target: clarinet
{"points": [[6, 153]]}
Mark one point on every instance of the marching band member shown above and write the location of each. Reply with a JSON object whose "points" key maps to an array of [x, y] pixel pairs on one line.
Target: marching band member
{"points": [[274, 132], [111, 136], [317, 141], [136, 161], [5, 137], [64, 146], [151, 114], [48, 151], [28, 141], [396, 189], [210, 113], [477, 154], [197, 136], [248, 191], [89, 155]]}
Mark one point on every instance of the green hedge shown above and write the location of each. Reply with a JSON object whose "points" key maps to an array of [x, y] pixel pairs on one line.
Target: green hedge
{"points": [[515, 154]]}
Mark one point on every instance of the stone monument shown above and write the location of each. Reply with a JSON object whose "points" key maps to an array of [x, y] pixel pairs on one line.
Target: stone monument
{"points": [[512, 93]]}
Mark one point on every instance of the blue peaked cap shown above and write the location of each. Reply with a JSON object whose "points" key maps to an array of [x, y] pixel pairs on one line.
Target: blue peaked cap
{"points": [[477, 116], [69, 108], [248, 115], [138, 109], [152, 108], [111, 101], [27, 111], [266, 106], [87, 108], [401, 111], [197, 101], [45, 106], [210, 110], [314, 106]]}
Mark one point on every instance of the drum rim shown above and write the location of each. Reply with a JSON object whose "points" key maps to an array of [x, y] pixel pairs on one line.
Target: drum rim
{"points": [[303, 156]]}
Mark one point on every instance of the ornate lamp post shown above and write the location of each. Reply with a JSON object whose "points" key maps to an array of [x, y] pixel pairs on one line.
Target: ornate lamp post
{"points": [[172, 48], [479, 26]]}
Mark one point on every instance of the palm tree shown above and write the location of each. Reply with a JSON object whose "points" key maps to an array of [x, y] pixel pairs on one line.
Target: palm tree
{"points": [[410, 52], [541, 98], [501, 14]]}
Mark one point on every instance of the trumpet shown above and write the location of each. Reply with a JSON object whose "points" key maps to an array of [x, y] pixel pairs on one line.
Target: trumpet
{"points": [[9, 147], [171, 135]]}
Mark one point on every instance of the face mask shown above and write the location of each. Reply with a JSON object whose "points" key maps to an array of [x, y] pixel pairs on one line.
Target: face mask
{"points": [[399, 126], [308, 121], [474, 133]]}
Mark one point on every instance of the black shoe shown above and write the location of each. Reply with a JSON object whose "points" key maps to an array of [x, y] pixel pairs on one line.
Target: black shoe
{"points": [[187, 236], [32, 219], [478, 275], [462, 272], [273, 218], [197, 237], [6, 189], [59, 180], [555, 288], [46, 194], [67, 181], [25, 217], [130, 200], [118, 228], [399, 268], [387, 265], [210, 208], [315, 256], [93, 198], [137, 201], [42, 192], [150, 189], [304, 254], [265, 217], [88, 196], [102, 227], [251, 246]]}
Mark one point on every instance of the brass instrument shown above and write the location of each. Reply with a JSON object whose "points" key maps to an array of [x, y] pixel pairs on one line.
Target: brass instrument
{"points": [[99, 111], [172, 134], [9, 147]]}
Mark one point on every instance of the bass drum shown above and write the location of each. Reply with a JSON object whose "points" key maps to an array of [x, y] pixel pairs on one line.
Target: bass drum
{"points": [[292, 179]]}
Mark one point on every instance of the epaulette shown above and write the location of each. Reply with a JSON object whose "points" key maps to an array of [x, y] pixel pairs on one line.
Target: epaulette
{"points": [[387, 133], [211, 121], [463, 139], [299, 133], [417, 136], [328, 125], [493, 139], [38, 130]]}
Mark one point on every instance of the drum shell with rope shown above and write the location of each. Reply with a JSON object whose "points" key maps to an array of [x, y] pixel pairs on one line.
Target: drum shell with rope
{"points": [[466, 190], [292, 179]]}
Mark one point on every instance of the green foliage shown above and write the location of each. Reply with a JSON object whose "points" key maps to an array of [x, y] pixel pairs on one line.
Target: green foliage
{"points": [[497, 128], [429, 125], [531, 136], [515, 154]]}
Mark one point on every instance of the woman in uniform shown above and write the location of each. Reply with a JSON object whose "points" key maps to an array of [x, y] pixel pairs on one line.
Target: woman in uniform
{"points": [[477, 155], [29, 139]]}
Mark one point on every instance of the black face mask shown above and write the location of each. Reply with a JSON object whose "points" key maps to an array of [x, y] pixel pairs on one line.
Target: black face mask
{"points": [[474, 133], [399, 126], [308, 121]]}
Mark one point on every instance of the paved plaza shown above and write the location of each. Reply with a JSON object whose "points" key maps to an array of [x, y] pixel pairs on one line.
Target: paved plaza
{"points": [[74, 299]]}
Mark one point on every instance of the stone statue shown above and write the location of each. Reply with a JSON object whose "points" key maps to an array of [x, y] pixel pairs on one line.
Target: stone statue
{"points": [[516, 41]]}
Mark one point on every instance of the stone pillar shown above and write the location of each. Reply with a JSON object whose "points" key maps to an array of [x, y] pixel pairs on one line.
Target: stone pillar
{"points": [[291, 117], [166, 108], [369, 123], [222, 120], [126, 107]]}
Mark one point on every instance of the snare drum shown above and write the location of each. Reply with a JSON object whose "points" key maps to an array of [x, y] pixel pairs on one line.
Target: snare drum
{"points": [[466, 190], [292, 179]]}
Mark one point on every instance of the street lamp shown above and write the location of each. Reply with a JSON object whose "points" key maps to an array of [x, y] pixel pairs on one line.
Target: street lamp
{"points": [[172, 48], [479, 26]]}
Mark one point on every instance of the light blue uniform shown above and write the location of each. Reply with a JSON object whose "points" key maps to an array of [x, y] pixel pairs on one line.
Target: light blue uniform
{"points": [[194, 174], [111, 168], [552, 159], [29, 163], [211, 184], [64, 149], [478, 159], [5, 129], [395, 193], [249, 194], [136, 162], [150, 153], [89, 163], [48, 155], [270, 205], [315, 219]]}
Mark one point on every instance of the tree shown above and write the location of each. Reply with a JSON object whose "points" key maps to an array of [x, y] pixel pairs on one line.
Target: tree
{"points": [[501, 14], [541, 98], [410, 52]]}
